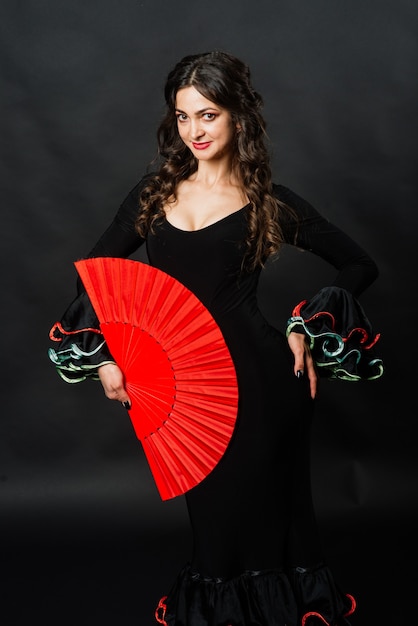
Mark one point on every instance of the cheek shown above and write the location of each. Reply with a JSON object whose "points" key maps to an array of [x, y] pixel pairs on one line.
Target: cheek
{"points": [[228, 131], [183, 132]]}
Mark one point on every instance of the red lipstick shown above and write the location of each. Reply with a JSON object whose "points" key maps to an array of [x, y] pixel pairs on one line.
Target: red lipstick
{"points": [[201, 146]]}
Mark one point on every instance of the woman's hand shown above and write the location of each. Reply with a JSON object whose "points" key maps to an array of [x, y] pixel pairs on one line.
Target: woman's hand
{"points": [[113, 382], [303, 360]]}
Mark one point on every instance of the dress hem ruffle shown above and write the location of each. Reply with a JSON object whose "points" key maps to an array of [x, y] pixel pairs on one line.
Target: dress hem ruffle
{"points": [[298, 597]]}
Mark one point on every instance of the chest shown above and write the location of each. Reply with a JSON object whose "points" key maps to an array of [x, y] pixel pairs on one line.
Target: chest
{"points": [[204, 260], [195, 209]]}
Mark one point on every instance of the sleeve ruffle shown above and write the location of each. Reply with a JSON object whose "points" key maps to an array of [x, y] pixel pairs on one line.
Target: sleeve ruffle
{"points": [[82, 348], [341, 337]]}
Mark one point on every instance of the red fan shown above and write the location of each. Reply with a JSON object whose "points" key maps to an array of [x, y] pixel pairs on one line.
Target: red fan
{"points": [[178, 370]]}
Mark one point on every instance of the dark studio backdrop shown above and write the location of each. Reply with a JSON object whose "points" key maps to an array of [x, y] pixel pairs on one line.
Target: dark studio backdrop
{"points": [[84, 536]]}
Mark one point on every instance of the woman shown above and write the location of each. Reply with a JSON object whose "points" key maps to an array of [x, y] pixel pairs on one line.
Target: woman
{"points": [[210, 216]]}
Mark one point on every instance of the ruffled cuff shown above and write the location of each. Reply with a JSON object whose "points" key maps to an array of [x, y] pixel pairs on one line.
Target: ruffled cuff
{"points": [[82, 347], [341, 337]]}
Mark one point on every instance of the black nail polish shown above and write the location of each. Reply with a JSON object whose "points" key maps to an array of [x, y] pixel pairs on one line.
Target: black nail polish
{"points": [[126, 405], [299, 373]]}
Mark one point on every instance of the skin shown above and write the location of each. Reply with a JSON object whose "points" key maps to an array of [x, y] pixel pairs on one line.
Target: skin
{"points": [[208, 131]]}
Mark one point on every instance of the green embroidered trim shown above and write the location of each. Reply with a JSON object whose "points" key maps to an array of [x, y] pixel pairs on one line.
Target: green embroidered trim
{"points": [[328, 354], [72, 371]]}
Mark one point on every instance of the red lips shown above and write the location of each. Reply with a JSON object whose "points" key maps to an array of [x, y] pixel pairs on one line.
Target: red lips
{"points": [[201, 146]]}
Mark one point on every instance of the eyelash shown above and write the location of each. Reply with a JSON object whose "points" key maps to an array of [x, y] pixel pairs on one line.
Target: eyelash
{"points": [[181, 117]]}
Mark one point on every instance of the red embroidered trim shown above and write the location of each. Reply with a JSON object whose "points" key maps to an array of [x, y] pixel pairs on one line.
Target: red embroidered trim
{"points": [[375, 340], [58, 326], [315, 614], [161, 607], [297, 313], [296, 310], [353, 605]]}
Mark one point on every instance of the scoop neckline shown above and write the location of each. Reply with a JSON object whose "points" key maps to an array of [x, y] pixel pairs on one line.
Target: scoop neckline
{"points": [[199, 230]]}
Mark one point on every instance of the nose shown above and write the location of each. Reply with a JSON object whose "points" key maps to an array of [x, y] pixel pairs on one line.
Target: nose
{"points": [[196, 131]]}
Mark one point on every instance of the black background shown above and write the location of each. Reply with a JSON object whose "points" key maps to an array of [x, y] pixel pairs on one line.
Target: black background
{"points": [[85, 538]]}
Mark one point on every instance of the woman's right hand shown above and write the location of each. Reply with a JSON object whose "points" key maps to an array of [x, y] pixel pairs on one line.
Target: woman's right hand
{"points": [[113, 382]]}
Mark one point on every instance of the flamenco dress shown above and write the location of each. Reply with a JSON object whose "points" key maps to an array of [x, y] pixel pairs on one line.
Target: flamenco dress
{"points": [[256, 557]]}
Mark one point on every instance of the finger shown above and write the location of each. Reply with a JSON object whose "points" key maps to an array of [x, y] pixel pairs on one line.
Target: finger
{"points": [[299, 364], [119, 395], [299, 368], [313, 378], [313, 385]]}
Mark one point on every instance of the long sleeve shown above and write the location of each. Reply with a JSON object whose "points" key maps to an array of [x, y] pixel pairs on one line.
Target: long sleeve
{"points": [[313, 232], [341, 336], [82, 348]]}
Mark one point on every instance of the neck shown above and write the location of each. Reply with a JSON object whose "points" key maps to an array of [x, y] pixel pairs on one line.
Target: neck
{"points": [[213, 173]]}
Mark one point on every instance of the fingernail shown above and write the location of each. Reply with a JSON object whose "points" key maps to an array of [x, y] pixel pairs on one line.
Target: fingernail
{"points": [[299, 373], [126, 405]]}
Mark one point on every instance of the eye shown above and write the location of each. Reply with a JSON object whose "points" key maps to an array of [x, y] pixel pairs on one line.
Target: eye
{"points": [[209, 116], [181, 117]]}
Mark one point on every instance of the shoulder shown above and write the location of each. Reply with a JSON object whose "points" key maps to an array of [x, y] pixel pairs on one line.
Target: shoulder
{"points": [[299, 205], [129, 208], [286, 195], [135, 192]]}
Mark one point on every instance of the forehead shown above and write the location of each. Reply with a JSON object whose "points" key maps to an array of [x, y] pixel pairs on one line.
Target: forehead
{"points": [[189, 99]]}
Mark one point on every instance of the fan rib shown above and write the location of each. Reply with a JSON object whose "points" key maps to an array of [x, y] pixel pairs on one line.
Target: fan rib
{"points": [[178, 370]]}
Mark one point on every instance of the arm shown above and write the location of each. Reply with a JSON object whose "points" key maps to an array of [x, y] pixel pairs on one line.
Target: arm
{"points": [[356, 270], [81, 350], [331, 330]]}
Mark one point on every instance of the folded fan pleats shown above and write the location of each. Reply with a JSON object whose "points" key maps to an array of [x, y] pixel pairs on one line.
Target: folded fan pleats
{"points": [[178, 370]]}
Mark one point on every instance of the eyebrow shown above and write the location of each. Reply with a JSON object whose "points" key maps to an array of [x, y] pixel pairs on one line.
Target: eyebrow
{"points": [[198, 112]]}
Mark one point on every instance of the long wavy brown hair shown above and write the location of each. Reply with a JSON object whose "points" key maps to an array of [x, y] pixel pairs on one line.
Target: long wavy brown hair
{"points": [[224, 80]]}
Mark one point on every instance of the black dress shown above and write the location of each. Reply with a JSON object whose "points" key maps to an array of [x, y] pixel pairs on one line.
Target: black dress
{"points": [[256, 554]]}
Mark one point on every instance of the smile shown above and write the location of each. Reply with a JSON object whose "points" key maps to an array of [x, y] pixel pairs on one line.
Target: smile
{"points": [[201, 146]]}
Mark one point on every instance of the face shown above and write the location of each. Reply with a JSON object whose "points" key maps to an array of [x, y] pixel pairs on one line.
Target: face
{"points": [[206, 128]]}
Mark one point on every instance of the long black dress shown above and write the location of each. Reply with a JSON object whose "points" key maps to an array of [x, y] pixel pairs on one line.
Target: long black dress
{"points": [[256, 557]]}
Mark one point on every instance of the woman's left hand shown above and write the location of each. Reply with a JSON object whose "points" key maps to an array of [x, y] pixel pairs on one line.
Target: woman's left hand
{"points": [[303, 360]]}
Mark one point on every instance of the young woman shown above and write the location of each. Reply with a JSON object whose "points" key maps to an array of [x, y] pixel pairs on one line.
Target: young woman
{"points": [[210, 216]]}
